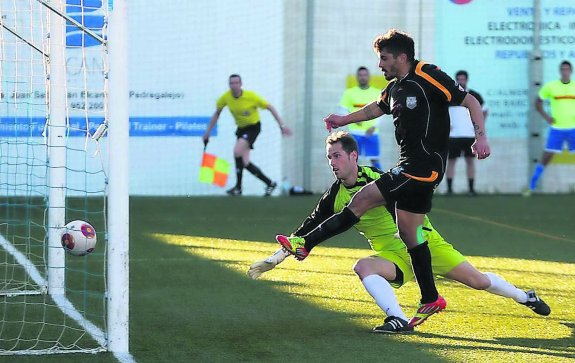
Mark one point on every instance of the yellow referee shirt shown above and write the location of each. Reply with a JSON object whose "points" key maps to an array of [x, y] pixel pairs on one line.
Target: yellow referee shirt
{"points": [[243, 108]]}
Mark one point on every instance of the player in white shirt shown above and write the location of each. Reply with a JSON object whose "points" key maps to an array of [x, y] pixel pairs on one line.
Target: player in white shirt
{"points": [[461, 137]]}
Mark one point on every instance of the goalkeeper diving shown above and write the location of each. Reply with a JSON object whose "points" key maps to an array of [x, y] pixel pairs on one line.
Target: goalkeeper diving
{"points": [[390, 266]]}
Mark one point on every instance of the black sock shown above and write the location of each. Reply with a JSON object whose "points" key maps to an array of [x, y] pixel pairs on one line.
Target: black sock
{"points": [[239, 172], [471, 182], [449, 184], [421, 262], [334, 225], [258, 173]]}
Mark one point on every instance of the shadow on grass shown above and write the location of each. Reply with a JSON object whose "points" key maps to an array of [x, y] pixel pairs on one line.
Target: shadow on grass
{"points": [[544, 347], [198, 310], [260, 219]]}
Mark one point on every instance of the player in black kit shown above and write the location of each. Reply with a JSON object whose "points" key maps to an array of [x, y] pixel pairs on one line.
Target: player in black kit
{"points": [[418, 97]]}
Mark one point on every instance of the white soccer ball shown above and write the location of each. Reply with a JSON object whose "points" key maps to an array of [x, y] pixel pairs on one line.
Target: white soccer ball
{"points": [[79, 238]]}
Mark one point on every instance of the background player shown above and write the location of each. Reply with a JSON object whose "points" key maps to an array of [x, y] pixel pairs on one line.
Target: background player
{"points": [[561, 96], [390, 266], [462, 136], [365, 133], [244, 106]]}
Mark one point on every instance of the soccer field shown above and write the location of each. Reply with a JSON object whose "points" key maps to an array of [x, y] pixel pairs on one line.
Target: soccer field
{"points": [[190, 299]]}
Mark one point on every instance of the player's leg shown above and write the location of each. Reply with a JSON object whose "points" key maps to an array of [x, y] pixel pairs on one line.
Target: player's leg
{"points": [[468, 275], [570, 140], [372, 150], [376, 273], [413, 201], [250, 137], [470, 167], [241, 154], [366, 198], [454, 152], [467, 143], [448, 262], [554, 145], [410, 226]]}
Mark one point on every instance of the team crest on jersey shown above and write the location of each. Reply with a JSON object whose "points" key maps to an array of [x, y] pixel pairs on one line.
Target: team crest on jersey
{"points": [[411, 102]]}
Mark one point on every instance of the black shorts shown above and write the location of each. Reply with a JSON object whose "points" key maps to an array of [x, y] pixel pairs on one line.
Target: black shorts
{"points": [[411, 195], [457, 145], [249, 133]]}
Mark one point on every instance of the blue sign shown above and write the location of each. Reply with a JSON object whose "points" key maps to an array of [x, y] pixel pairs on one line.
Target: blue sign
{"points": [[90, 14], [139, 126]]}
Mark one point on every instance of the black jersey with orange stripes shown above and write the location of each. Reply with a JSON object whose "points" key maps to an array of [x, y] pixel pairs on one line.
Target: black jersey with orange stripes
{"points": [[419, 103]]}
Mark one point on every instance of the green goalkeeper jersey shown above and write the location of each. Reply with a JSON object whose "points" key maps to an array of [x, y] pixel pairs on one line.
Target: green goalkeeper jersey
{"points": [[377, 224]]}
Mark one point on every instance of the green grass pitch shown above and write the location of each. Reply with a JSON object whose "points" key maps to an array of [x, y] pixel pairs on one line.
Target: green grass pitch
{"points": [[190, 299]]}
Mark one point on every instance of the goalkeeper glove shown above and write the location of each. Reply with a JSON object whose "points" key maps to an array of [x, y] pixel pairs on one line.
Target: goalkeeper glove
{"points": [[259, 267]]}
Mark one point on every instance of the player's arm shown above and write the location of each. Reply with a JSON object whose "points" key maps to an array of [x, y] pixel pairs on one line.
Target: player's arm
{"points": [[320, 213], [284, 129], [480, 146], [368, 112], [212, 123], [545, 115], [259, 267]]}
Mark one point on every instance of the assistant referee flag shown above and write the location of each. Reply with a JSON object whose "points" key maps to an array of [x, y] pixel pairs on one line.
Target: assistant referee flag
{"points": [[214, 170]]}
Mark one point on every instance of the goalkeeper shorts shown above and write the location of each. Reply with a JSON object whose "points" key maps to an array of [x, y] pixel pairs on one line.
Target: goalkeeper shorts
{"points": [[444, 258]]}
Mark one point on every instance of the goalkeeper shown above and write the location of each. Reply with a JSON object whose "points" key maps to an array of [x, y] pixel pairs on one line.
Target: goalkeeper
{"points": [[390, 266]]}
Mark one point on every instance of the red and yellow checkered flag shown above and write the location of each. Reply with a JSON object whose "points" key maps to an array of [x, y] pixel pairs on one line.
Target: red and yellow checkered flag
{"points": [[214, 170]]}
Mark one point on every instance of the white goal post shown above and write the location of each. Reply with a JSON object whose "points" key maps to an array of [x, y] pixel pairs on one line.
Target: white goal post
{"points": [[64, 136]]}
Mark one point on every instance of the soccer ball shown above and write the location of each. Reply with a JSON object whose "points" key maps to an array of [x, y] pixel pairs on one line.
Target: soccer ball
{"points": [[79, 238]]}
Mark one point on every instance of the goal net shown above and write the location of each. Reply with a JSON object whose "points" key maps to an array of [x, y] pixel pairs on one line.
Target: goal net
{"points": [[53, 169]]}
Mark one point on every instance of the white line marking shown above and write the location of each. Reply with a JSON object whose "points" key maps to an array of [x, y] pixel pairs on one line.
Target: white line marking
{"points": [[503, 225], [63, 303]]}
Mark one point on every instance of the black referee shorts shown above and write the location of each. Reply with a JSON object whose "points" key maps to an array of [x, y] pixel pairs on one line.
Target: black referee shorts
{"points": [[459, 145], [411, 193], [249, 133]]}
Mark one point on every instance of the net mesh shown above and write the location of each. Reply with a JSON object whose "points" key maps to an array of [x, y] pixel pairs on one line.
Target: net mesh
{"points": [[33, 320]]}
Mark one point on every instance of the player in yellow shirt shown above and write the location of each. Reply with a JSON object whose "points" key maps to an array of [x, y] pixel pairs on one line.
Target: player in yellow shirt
{"points": [[561, 96], [366, 133], [244, 107]]}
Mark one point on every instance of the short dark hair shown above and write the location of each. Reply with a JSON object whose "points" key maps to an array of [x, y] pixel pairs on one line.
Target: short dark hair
{"points": [[362, 68], [234, 76], [566, 63], [396, 42], [348, 143], [462, 73]]}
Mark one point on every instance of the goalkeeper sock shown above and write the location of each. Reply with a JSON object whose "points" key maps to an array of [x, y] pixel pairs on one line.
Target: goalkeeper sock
{"points": [[536, 175], [239, 172], [384, 296], [334, 225], [421, 262], [449, 185], [503, 288], [258, 173]]}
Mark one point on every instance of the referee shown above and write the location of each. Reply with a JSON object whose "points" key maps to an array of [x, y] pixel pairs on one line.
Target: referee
{"points": [[244, 107]]}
